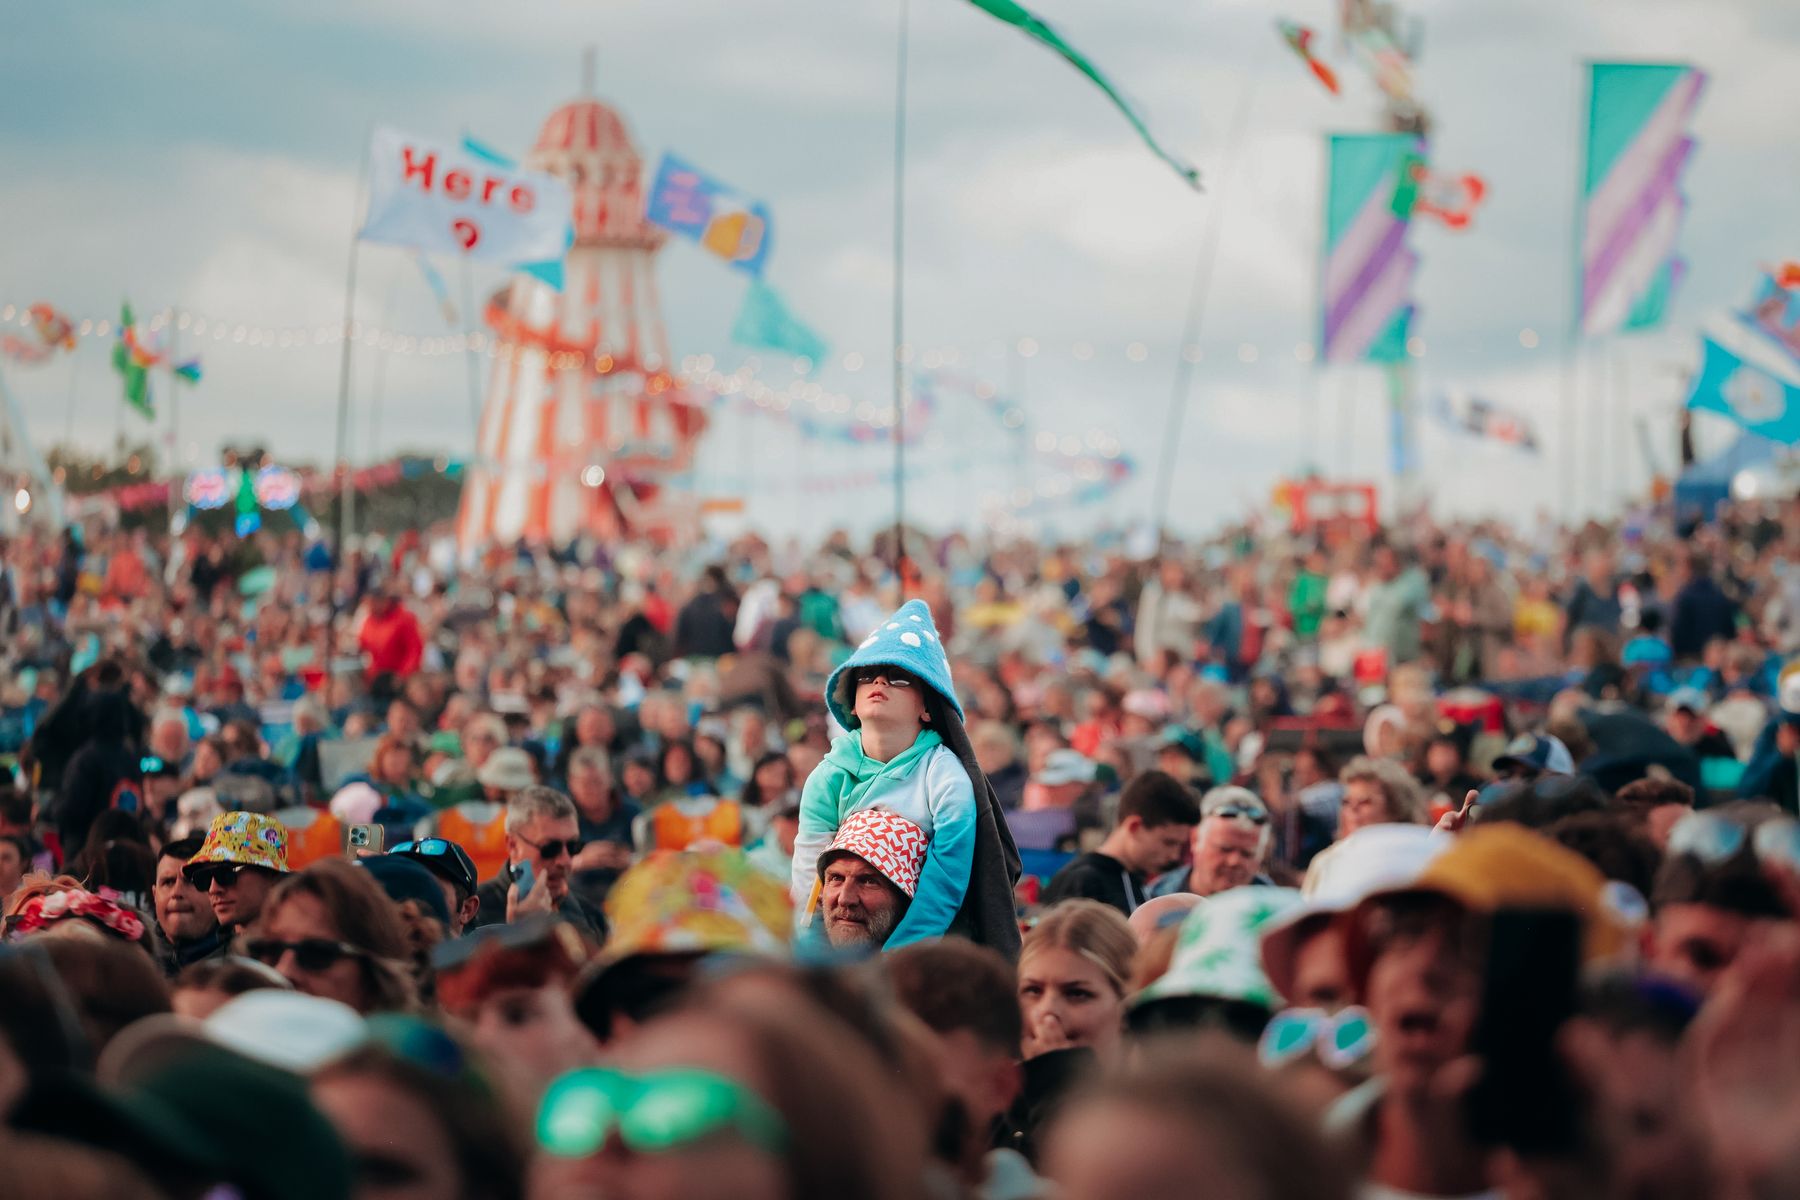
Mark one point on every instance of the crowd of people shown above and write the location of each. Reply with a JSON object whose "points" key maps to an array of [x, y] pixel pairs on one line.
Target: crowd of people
{"points": [[1440, 860]]}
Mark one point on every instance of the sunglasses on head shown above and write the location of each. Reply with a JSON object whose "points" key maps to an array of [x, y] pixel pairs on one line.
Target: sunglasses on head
{"points": [[1714, 837], [892, 678], [1241, 812], [652, 1113], [555, 847], [448, 851], [310, 954], [1339, 1040]]}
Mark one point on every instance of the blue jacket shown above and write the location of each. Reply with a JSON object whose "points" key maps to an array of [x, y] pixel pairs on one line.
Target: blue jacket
{"points": [[1770, 774]]}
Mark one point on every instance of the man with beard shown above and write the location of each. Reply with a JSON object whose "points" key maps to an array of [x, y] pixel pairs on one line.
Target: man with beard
{"points": [[907, 753], [183, 913], [868, 876]]}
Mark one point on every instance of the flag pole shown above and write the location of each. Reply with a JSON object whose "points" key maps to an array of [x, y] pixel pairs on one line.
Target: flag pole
{"points": [[74, 395], [1189, 349], [1021, 439], [1572, 329], [382, 360], [900, 295], [346, 492], [174, 392], [1620, 373], [469, 354], [175, 497]]}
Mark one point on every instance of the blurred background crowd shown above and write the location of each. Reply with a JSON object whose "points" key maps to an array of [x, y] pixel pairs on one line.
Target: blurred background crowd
{"points": [[1307, 815]]}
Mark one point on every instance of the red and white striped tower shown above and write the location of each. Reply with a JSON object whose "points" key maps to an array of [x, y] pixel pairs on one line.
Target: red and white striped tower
{"points": [[583, 420]]}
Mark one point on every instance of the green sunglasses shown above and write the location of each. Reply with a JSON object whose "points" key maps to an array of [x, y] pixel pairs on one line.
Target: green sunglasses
{"points": [[652, 1113], [1340, 1040]]}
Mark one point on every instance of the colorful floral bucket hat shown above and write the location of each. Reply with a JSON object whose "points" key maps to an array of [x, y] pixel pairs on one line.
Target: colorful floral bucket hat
{"points": [[246, 839]]}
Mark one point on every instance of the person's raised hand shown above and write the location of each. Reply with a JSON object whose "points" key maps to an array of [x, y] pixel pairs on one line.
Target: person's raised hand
{"points": [[1742, 1059], [1456, 822], [1044, 1035], [537, 902]]}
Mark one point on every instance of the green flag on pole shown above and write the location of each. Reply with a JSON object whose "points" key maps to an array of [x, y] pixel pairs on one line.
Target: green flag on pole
{"points": [[134, 375], [1020, 17]]}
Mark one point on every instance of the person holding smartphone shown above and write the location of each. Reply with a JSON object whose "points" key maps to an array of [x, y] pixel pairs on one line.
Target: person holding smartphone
{"points": [[543, 837]]}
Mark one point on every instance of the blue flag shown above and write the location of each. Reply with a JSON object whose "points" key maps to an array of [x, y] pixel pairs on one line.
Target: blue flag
{"points": [[684, 201], [1744, 382], [764, 321]]}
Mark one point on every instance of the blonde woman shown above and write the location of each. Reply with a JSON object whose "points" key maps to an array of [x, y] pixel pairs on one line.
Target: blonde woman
{"points": [[1074, 973]]}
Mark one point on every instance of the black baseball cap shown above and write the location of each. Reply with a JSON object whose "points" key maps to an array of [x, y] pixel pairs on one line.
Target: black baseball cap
{"points": [[443, 858], [403, 879]]}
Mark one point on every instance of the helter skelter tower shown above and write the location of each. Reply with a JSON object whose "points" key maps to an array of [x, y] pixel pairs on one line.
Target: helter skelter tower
{"points": [[584, 423]]}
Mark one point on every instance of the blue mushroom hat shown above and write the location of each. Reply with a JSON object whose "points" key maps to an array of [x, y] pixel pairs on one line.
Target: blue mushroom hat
{"points": [[908, 640]]}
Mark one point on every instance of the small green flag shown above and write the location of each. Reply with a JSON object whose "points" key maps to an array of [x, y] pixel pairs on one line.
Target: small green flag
{"points": [[133, 374], [1019, 16]]}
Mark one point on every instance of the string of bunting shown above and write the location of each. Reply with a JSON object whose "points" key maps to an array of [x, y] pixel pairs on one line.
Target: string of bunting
{"points": [[285, 489]]}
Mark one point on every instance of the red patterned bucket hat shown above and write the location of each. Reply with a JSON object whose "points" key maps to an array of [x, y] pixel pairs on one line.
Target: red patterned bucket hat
{"points": [[886, 841]]}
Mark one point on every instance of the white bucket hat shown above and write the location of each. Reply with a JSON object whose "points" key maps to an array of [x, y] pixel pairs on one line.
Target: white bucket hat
{"points": [[1375, 858]]}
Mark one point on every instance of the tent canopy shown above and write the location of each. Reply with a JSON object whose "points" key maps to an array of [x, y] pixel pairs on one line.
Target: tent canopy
{"points": [[1707, 484]]}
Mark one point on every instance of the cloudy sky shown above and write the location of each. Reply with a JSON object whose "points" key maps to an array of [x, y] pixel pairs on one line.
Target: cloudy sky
{"points": [[208, 157]]}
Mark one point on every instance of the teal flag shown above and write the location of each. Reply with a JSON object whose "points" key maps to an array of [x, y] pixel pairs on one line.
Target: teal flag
{"points": [[1020, 17], [1368, 268], [765, 322], [1637, 154]]}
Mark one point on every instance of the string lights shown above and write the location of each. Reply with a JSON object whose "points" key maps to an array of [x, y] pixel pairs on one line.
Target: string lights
{"points": [[204, 327]]}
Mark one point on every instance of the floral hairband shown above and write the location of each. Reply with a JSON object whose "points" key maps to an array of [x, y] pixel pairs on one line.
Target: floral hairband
{"points": [[42, 911]]}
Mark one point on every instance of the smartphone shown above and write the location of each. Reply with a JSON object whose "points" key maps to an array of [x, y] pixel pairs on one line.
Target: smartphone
{"points": [[1525, 1098], [366, 840], [525, 878]]}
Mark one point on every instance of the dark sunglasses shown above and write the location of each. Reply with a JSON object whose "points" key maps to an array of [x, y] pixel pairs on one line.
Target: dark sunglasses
{"points": [[556, 847], [223, 874], [892, 678], [311, 954]]}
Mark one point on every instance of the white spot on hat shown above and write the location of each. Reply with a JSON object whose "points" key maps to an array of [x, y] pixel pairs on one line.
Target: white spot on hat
{"points": [[911, 639], [915, 617], [867, 642], [893, 625], [927, 635]]}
